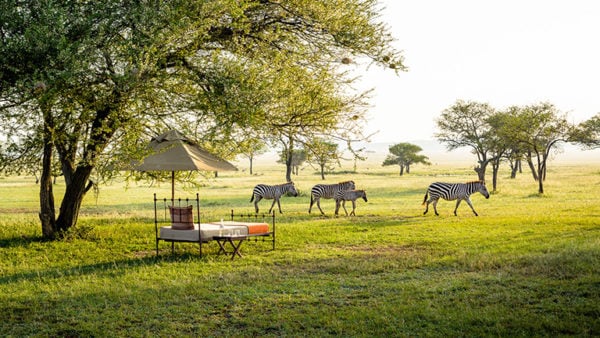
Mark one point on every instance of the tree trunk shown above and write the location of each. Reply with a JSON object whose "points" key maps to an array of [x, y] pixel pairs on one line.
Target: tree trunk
{"points": [[495, 168], [289, 160], [401, 170], [74, 194], [322, 171], [47, 214], [251, 158], [513, 168], [480, 170], [532, 167]]}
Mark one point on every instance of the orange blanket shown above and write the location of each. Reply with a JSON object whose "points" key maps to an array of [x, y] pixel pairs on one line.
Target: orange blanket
{"points": [[258, 228]]}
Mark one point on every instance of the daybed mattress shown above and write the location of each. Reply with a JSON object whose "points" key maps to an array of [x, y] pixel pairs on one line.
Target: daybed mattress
{"points": [[209, 230]]}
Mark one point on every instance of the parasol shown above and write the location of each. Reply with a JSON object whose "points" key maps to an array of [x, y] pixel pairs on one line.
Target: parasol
{"points": [[172, 151]]}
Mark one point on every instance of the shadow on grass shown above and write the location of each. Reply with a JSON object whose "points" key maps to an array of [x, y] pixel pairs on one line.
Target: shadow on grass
{"points": [[103, 268], [21, 241]]}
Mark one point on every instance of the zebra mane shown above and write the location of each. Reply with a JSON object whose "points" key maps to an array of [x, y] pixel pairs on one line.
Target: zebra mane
{"points": [[346, 182]]}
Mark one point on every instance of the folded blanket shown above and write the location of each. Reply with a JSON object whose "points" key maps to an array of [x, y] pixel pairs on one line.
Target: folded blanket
{"points": [[259, 228], [253, 227]]}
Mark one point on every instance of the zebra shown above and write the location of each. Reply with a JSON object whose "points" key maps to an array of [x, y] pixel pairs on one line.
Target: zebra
{"points": [[328, 191], [349, 195], [273, 192], [454, 191]]}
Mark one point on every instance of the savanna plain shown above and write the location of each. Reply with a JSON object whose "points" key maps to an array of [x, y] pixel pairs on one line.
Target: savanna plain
{"points": [[529, 265]]}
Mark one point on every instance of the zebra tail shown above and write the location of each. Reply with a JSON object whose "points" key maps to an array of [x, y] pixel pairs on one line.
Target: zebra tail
{"points": [[425, 199], [252, 198]]}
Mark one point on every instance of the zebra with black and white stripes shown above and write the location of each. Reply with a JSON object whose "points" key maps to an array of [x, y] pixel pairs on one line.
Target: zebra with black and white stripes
{"points": [[328, 191], [454, 191], [349, 195], [273, 192]]}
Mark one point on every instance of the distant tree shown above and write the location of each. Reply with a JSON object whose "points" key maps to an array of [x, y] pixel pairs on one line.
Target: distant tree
{"points": [[465, 124], [587, 133], [251, 148], [538, 128], [405, 155], [324, 155], [298, 158]]}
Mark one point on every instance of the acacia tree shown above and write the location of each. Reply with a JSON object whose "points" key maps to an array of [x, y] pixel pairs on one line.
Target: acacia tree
{"points": [[87, 80], [405, 155], [539, 128], [465, 124], [323, 154]]}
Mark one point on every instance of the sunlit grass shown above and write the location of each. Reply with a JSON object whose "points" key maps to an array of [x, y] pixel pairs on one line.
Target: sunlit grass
{"points": [[528, 265]]}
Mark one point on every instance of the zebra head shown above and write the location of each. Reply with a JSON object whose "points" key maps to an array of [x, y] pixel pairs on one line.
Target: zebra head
{"points": [[291, 189], [482, 189], [364, 195]]}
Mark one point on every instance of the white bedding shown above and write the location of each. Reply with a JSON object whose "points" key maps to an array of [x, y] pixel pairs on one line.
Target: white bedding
{"points": [[207, 231]]}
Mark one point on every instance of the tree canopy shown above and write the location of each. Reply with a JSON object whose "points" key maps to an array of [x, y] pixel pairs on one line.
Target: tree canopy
{"points": [[464, 124], [84, 83], [404, 155]]}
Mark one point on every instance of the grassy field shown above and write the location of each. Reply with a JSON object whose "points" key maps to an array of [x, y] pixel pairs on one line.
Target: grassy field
{"points": [[529, 265]]}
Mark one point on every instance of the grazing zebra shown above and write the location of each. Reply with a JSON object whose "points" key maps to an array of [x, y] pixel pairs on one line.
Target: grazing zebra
{"points": [[328, 191], [454, 191], [349, 195], [273, 192]]}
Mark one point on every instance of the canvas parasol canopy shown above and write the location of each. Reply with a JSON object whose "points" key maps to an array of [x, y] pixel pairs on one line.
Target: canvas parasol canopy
{"points": [[172, 151]]}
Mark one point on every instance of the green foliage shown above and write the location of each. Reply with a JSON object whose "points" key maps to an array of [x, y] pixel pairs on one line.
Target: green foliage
{"points": [[82, 84], [588, 132], [527, 266]]}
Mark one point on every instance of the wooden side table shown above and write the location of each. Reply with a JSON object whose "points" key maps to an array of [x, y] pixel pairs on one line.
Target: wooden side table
{"points": [[234, 240]]}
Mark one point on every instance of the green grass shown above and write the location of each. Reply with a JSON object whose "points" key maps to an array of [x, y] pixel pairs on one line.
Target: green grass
{"points": [[529, 265]]}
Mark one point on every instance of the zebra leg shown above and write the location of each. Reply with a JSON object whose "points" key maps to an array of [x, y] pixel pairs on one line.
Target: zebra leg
{"points": [[258, 198], [311, 203], [319, 205], [471, 205], [279, 206], [337, 207], [344, 206], [457, 204], [435, 206], [273, 204], [353, 213]]}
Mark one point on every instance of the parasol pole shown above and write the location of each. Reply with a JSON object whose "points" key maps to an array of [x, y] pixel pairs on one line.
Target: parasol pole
{"points": [[172, 185]]}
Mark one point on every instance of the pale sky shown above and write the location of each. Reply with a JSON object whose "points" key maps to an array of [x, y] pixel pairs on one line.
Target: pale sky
{"points": [[509, 52]]}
